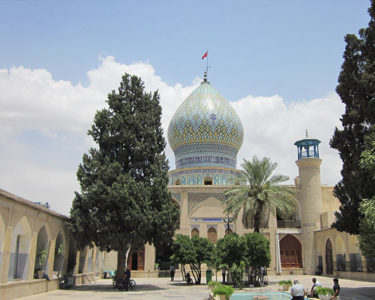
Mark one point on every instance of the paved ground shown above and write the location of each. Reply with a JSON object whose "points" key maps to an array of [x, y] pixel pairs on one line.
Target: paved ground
{"points": [[163, 288]]}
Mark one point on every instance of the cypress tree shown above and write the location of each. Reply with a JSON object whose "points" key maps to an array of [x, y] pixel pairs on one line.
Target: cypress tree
{"points": [[124, 201], [356, 89]]}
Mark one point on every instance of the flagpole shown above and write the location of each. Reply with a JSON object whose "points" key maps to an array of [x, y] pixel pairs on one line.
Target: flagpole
{"points": [[207, 64]]}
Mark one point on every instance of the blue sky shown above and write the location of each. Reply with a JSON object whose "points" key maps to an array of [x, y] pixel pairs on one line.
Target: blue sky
{"points": [[290, 48], [276, 61]]}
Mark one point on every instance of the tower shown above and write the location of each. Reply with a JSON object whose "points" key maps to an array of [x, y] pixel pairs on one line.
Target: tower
{"points": [[310, 196]]}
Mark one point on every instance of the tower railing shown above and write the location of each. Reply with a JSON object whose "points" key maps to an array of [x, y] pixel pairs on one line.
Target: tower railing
{"points": [[288, 223]]}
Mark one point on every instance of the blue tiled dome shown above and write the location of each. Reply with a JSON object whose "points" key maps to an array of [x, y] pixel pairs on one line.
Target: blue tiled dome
{"points": [[205, 131]]}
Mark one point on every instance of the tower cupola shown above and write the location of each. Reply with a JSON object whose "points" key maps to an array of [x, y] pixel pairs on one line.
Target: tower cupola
{"points": [[307, 148]]}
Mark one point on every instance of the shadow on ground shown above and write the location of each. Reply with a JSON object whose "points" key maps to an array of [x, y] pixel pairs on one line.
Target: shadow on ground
{"points": [[357, 293], [110, 288], [185, 284]]}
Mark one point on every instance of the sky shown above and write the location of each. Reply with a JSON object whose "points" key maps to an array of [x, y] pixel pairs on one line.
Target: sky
{"points": [[277, 62]]}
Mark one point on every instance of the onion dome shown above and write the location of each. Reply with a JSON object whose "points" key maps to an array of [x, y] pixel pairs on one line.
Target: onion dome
{"points": [[205, 131]]}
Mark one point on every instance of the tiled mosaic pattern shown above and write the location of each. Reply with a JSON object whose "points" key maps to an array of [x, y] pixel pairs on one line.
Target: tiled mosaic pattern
{"points": [[205, 130], [197, 177]]}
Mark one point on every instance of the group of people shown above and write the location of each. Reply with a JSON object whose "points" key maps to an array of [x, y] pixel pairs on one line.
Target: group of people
{"points": [[298, 292]]}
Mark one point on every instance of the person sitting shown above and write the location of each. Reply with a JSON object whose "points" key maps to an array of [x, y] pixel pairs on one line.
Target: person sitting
{"points": [[126, 279], [188, 278], [313, 293], [336, 289], [297, 291]]}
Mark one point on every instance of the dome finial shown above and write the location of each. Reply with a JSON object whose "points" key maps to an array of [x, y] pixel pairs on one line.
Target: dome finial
{"points": [[307, 134], [205, 76]]}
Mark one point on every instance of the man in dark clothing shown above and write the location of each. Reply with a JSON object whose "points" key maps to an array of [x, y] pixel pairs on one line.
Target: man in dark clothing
{"points": [[336, 288], [127, 278]]}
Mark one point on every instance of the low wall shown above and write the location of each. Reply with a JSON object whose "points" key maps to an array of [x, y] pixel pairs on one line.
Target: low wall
{"points": [[23, 288], [356, 275], [17, 289]]}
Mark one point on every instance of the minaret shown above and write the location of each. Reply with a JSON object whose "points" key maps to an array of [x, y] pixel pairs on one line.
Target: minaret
{"points": [[310, 197]]}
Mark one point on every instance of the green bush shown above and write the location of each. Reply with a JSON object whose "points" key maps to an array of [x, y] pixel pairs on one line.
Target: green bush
{"points": [[285, 282], [324, 291], [237, 275], [213, 284], [226, 290]]}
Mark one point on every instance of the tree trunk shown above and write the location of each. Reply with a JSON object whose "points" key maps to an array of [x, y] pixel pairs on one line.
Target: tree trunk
{"points": [[121, 261], [257, 216]]}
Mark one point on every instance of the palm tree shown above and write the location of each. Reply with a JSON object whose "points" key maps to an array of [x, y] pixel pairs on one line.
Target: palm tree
{"points": [[257, 192]]}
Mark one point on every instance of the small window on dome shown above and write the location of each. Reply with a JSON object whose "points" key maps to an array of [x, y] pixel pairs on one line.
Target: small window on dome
{"points": [[177, 182], [208, 181]]}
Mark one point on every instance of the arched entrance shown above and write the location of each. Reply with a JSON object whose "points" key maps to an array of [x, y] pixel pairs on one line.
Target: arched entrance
{"points": [[290, 252], [136, 260], [329, 257]]}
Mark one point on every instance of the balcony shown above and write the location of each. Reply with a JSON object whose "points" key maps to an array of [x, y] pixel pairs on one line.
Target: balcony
{"points": [[288, 223]]}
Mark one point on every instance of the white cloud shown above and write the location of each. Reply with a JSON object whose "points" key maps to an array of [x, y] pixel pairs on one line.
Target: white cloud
{"points": [[272, 126], [32, 101]]}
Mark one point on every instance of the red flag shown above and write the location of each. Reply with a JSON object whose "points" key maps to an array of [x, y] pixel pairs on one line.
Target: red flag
{"points": [[205, 55]]}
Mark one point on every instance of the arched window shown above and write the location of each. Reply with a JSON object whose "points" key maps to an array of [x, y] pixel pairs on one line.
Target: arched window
{"points": [[177, 182], [207, 180], [290, 252], [212, 235], [194, 232]]}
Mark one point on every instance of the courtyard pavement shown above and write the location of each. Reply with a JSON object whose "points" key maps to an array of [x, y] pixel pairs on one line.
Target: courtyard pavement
{"points": [[163, 288]]}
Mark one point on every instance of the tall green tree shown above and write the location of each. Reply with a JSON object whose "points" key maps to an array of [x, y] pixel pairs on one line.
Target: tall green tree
{"points": [[259, 193], [367, 206], [124, 201], [356, 89]]}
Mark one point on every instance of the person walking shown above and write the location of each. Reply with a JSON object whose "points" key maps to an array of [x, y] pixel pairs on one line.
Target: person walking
{"points": [[172, 270], [223, 272]]}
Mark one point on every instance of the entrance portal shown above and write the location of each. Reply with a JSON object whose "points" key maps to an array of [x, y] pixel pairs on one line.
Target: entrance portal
{"points": [[290, 252]]}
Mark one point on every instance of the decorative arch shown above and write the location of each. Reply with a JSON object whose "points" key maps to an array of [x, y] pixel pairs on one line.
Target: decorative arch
{"points": [[195, 232], [42, 250], [60, 250], [207, 208], [340, 253], [290, 252], [212, 235], [177, 182], [329, 257], [355, 258], [20, 249]]}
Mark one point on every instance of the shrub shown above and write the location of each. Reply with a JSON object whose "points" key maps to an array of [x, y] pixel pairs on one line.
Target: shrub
{"points": [[226, 290], [285, 282], [324, 291], [213, 284], [237, 274]]}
